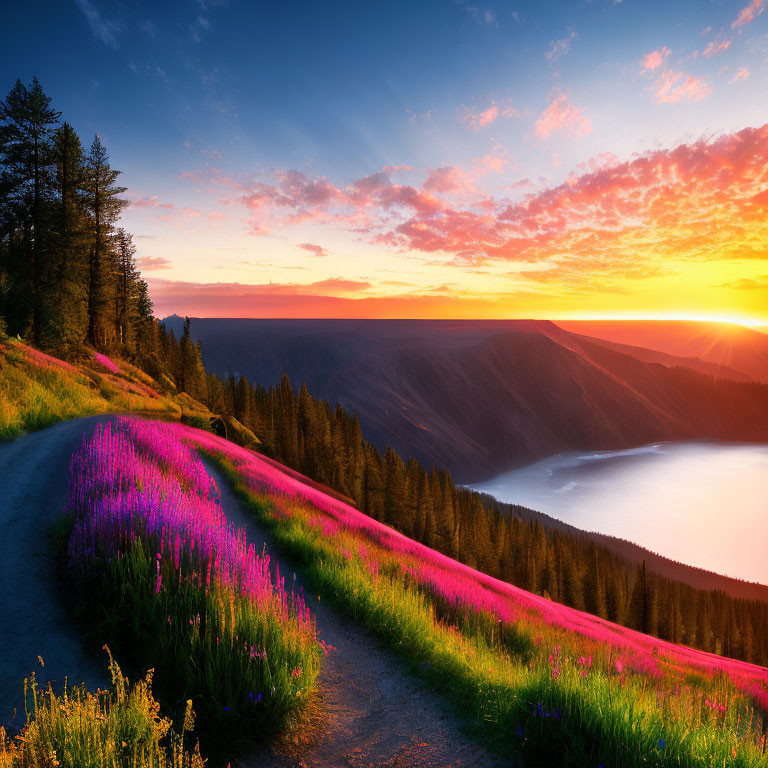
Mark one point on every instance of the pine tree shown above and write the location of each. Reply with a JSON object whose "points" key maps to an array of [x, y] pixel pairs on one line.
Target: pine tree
{"points": [[103, 203], [126, 287], [594, 592], [642, 613], [27, 122], [69, 235]]}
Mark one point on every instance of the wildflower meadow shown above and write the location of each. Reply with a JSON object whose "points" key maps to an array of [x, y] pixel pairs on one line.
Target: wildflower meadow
{"points": [[165, 580]]}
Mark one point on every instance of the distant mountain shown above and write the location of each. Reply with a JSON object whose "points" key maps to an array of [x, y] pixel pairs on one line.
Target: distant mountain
{"points": [[478, 397], [727, 344]]}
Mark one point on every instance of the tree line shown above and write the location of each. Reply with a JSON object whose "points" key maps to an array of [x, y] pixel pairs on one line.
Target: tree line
{"points": [[68, 272], [69, 281]]}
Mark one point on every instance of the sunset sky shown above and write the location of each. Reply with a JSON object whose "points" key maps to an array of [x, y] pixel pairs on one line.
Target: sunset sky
{"points": [[430, 159]]}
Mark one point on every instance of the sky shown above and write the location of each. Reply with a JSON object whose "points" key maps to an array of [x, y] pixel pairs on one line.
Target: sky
{"points": [[434, 159]]}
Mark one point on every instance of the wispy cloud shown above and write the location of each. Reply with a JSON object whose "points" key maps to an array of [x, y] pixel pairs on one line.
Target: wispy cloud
{"points": [[483, 15], [151, 263], [741, 74], [748, 13], [102, 28], [719, 44], [747, 284], [559, 48], [312, 248], [673, 87]]}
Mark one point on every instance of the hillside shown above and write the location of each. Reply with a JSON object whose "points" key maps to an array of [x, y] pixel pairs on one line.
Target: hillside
{"points": [[478, 397], [539, 678], [39, 390]]}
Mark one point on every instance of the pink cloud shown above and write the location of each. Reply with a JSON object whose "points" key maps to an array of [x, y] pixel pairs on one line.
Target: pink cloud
{"points": [[315, 250], [558, 48], [493, 162], [740, 74], [655, 59], [477, 120], [673, 87], [149, 202], [748, 13], [698, 201], [149, 263], [715, 46], [448, 180], [563, 116]]}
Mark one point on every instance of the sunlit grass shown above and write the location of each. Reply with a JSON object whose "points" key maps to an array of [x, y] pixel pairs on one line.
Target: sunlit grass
{"points": [[118, 728], [37, 391]]}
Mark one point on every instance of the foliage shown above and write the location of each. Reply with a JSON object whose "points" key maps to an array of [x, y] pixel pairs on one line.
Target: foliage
{"points": [[119, 728], [169, 584]]}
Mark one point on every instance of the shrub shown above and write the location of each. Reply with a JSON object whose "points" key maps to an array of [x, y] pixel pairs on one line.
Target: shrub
{"points": [[118, 728]]}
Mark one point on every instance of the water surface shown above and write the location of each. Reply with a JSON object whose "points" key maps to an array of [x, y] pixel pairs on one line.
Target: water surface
{"points": [[704, 503]]}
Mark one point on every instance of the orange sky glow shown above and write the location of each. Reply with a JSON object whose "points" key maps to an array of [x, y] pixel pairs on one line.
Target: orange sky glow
{"points": [[677, 233]]}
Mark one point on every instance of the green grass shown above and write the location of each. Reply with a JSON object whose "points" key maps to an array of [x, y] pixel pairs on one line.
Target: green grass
{"points": [[503, 679], [34, 396], [118, 728], [199, 642]]}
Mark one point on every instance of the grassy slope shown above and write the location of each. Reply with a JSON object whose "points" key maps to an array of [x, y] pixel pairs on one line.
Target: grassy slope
{"points": [[37, 390], [563, 687]]}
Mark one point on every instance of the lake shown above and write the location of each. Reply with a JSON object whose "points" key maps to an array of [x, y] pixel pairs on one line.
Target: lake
{"points": [[704, 503]]}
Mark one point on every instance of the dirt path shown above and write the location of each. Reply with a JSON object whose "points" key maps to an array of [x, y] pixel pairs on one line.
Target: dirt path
{"points": [[34, 478], [372, 712]]}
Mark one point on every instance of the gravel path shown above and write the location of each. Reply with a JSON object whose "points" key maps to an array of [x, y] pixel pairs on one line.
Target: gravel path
{"points": [[34, 478]]}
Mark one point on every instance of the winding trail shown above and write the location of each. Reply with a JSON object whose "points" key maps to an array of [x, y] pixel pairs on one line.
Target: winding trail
{"points": [[370, 710], [34, 478]]}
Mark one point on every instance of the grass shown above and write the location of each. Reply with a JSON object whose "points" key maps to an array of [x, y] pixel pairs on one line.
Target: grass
{"points": [[557, 686], [118, 728], [168, 584], [37, 390]]}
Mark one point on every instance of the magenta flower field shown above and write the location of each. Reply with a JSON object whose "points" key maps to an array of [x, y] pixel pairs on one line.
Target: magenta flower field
{"points": [[460, 583], [181, 589]]}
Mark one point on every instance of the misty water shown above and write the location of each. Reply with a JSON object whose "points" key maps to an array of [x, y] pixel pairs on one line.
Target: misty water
{"points": [[703, 503]]}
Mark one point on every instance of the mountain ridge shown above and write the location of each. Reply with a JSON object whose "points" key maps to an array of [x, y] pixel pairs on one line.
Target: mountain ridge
{"points": [[479, 397]]}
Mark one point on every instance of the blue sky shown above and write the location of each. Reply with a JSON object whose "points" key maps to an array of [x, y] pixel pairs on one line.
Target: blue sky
{"points": [[520, 97]]}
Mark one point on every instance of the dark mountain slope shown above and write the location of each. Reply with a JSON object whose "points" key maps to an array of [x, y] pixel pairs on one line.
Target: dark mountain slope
{"points": [[480, 396]]}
